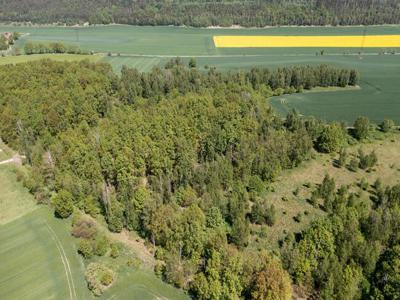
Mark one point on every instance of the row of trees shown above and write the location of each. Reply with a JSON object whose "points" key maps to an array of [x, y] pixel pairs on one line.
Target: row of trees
{"points": [[202, 14], [57, 48], [178, 155]]}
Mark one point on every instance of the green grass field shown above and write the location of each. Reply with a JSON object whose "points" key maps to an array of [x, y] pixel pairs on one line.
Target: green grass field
{"points": [[58, 57], [145, 47]]}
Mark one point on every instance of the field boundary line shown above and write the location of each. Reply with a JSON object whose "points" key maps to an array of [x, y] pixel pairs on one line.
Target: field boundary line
{"points": [[65, 262], [122, 55]]}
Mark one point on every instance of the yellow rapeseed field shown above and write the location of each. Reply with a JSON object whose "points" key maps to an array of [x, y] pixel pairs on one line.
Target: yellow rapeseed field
{"points": [[347, 41]]}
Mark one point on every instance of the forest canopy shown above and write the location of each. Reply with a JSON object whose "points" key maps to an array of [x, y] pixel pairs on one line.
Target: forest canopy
{"points": [[204, 13], [182, 157]]}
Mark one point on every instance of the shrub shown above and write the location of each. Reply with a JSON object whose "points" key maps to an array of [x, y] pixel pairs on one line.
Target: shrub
{"points": [[270, 215], [115, 250], [363, 184], [98, 278], [386, 125], [361, 128], [101, 245], [298, 218], [107, 278], [84, 228], [342, 158], [367, 160], [331, 138], [353, 165], [85, 248], [256, 185], [63, 204]]}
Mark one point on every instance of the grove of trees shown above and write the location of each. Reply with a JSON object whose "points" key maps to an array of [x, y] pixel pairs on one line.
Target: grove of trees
{"points": [[183, 157], [204, 13]]}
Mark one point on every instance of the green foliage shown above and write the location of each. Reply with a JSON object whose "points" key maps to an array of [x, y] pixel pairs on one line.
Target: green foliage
{"points": [[387, 125], [85, 248], [178, 155], [343, 155], [115, 250], [353, 165], [200, 14], [84, 227], [56, 48], [387, 275], [367, 160], [63, 204], [271, 281], [99, 278], [331, 139], [101, 246], [192, 63], [262, 213], [361, 128]]}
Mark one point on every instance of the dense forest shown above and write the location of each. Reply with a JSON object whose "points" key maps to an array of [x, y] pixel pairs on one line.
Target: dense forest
{"points": [[183, 156], [204, 13]]}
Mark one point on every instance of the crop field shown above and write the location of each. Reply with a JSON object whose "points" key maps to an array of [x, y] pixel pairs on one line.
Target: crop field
{"points": [[58, 57], [145, 47], [351, 41]]}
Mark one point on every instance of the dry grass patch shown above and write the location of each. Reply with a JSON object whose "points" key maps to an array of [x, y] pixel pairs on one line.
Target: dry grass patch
{"points": [[293, 188]]}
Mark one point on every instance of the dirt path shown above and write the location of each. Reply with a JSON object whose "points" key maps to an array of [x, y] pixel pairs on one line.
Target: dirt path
{"points": [[16, 159], [64, 259]]}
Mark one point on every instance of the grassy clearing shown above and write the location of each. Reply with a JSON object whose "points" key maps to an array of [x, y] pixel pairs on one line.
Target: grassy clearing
{"points": [[57, 57], [15, 201], [289, 205]]}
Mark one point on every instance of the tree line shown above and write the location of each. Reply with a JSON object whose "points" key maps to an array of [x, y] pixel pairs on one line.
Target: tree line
{"points": [[205, 13], [181, 156], [55, 48]]}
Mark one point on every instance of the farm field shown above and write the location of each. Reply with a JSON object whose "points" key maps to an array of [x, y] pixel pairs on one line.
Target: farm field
{"points": [[58, 57], [267, 41], [145, 47]]}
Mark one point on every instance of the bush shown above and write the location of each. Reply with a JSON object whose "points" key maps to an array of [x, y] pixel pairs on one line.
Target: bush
{"points": [[115, 250], [63, 204], [367, 160], [386, 125], [98, 278], [363, 184], [107, 278], [85, 248], [353, 165], [361, 128], [84, 228], [331, 139], [298, 218], [270, 215], [342, 158], [101, 245]]}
